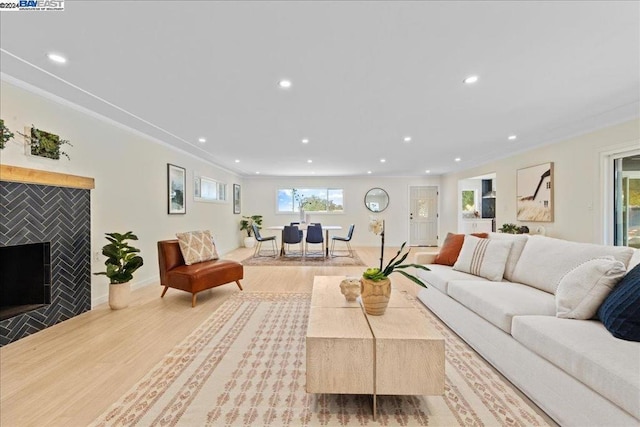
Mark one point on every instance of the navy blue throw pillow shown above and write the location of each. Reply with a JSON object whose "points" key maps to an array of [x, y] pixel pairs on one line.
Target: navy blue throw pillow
{"points": [[620, 312]]}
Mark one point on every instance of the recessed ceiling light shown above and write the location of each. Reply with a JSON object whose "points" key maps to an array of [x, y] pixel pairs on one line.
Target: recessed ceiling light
{"points": [[427, 171], [457, 159], [284, 84], [305, 141], [470, 80], [512, 137], [369, 172], [202, 140], [383, 160], [57, 58], [257, 172], [237, 161], [309, 161], [407, 139]]}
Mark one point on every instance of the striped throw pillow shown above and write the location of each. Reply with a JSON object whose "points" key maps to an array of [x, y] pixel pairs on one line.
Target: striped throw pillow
{"points": [[483, 257]]}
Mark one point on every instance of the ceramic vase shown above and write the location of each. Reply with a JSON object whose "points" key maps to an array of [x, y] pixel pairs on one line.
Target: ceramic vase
{"points": [[249, 242], [375, 295], [119, 295]]}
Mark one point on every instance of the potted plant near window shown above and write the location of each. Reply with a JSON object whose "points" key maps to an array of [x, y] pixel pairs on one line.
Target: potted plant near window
{"points": [[246, 225], [122, 261]]}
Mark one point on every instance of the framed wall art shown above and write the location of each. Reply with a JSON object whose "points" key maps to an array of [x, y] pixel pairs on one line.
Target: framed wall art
{"points": [[534, 193], [176, 180], [236, 198]]}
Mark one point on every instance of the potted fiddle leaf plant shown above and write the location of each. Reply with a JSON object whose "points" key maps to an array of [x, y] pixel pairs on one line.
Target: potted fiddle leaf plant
{"points": [[246, 224], [122, 261]]}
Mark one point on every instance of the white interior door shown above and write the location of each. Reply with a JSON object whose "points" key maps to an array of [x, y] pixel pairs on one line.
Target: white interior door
{"points": [[423, 216]]}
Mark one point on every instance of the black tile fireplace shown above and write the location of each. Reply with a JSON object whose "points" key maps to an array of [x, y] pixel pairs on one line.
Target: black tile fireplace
{"points": [[44, 218]]}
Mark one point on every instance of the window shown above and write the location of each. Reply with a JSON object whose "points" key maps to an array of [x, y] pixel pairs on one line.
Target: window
{"points": [[209, 190], [468, 203], [310, 200]]}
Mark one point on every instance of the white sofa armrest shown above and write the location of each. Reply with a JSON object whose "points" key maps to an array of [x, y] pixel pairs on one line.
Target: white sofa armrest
{"points": [[424, 257]]}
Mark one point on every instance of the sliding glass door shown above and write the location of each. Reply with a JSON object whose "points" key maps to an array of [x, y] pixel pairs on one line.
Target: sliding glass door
{"points": [[627, 200]]}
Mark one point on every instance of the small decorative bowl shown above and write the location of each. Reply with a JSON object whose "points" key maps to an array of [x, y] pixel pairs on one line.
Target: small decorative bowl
{"points": [[350, 288]]}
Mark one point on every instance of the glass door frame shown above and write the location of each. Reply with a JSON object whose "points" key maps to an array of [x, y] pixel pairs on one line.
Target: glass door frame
{"points": [[608, 183]]}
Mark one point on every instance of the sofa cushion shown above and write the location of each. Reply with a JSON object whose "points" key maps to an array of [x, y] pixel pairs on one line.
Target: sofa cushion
{"points": [[483, 257], [585, 350], [545, 260], [450, 249], [620, 312], [439, 276], [196, 246], [499, 302], [582, 290], [517, 245]]}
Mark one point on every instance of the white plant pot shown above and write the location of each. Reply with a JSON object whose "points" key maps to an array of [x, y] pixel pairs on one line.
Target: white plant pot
{"points": [[119, 295], [249, 242]]}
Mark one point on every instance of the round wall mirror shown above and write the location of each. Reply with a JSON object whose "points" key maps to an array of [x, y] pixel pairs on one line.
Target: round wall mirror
{"points": [[376, 200]]}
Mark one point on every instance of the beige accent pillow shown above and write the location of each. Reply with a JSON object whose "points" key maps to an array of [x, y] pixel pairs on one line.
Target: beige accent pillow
{"points": [[197, 246], [582, 290], [518, 241], [483, 257]]}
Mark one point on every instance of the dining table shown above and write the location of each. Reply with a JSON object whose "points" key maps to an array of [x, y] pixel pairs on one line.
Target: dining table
{"points": [[303, 226]]}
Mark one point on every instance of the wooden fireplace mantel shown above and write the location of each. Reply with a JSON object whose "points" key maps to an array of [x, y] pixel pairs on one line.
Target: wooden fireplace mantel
{"points": [[34, 176]]}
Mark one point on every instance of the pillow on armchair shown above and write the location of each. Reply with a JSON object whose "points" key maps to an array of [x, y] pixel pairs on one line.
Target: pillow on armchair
{"points": [[197, 246]]}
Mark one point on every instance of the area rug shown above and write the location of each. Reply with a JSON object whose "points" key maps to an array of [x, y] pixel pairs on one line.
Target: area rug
{"points": [[341, 261], [245, 366]]}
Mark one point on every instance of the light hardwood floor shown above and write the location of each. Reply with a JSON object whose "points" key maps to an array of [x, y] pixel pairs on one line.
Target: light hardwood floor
{"points": [[70, 373]]}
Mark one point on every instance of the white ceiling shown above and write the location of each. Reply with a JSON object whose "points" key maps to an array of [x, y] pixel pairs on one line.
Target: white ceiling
{"points": [[365, 74]]}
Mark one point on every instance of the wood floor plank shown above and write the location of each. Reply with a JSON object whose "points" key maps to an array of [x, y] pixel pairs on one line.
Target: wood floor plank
{"points": [[70, 373]]}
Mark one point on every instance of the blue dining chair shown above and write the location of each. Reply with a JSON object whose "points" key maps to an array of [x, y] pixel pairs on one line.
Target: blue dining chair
{"points": [[291, 235], [314, 236], [346, 239], [297, 224], [260, 239]]}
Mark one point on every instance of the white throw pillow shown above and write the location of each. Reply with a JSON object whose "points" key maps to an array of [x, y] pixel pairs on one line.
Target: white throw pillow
{"points": [[582, 290], [483, 257], [196, 246], [517, 245]]}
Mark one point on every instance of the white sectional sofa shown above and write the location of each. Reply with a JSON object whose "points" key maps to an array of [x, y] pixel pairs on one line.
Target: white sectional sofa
{"points": [[575, 370]]}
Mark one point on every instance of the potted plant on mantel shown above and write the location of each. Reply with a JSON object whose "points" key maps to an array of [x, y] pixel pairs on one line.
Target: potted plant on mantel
{"points": [[246, 225], [122, 261]]}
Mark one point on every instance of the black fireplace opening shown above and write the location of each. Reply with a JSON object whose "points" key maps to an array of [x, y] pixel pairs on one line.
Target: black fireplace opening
{"points": [[25, 278]]}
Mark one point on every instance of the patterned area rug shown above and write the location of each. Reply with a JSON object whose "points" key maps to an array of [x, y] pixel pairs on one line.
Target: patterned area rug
{"points": [[245, 366], [341, 261]]}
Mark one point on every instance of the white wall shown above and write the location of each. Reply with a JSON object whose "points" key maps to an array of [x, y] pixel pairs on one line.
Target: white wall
{"points": [[579, 206], [260, 199], [130, 174]]}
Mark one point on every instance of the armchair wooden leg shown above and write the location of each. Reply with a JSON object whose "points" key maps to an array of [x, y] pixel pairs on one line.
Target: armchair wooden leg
{"points": [[193, 300], [239, 285], [164, 291]]}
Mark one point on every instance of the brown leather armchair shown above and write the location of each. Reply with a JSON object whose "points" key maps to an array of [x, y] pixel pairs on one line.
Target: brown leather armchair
{"points": [[174, 273]]}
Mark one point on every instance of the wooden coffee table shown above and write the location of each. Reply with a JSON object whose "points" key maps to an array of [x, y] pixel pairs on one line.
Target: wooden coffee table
{"points": [[351, 352]]}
